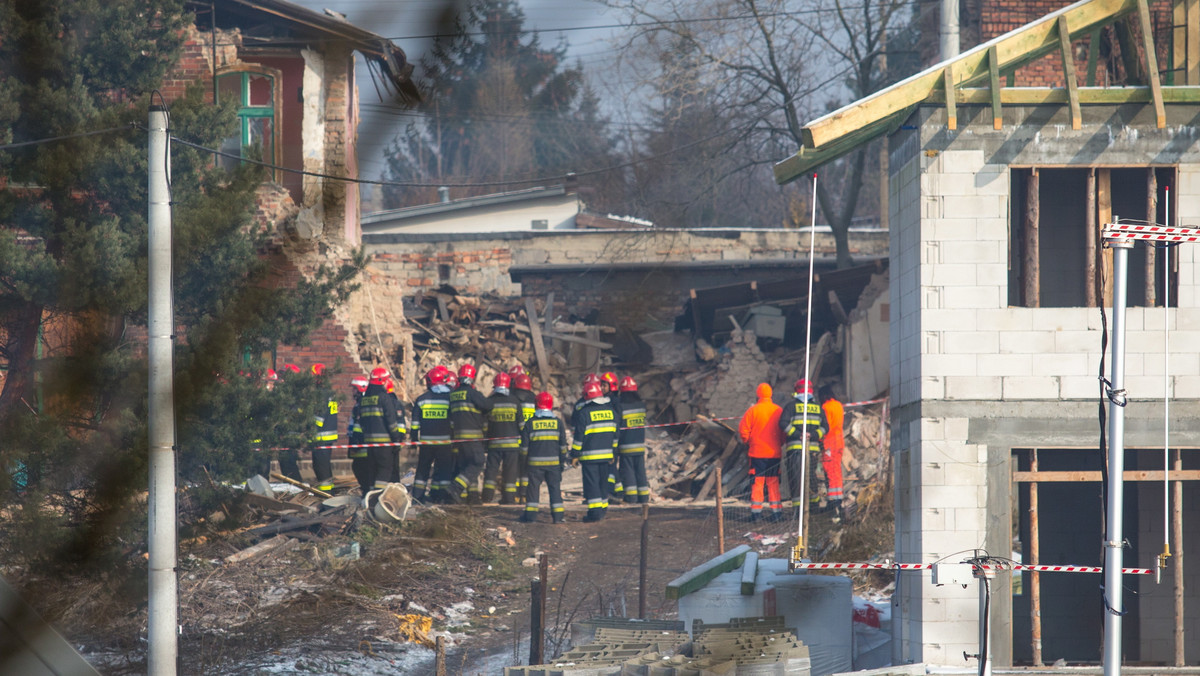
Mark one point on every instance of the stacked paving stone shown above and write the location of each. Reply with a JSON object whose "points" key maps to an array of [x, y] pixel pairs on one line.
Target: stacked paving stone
{"points": [[760, 646]]}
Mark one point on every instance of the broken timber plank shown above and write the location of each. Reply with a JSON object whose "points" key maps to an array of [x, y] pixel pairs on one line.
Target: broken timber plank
{"points": [[539, 346], [720, 462], [290, 525], [704, 573], [301, 484], [260, 548]]}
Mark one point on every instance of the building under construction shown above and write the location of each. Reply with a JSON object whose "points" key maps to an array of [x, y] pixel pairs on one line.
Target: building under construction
{"points": [[1001, 296]]}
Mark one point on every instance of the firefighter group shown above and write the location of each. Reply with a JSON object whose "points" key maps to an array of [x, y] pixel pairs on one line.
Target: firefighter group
{"points": [[516, 441], [513, 439]]}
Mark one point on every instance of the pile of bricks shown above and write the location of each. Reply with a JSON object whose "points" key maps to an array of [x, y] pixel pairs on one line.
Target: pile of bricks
{"points": [[760, 646]]}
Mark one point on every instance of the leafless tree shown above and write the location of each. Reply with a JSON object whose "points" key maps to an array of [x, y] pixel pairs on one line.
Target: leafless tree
{"points": [[766, 66]]}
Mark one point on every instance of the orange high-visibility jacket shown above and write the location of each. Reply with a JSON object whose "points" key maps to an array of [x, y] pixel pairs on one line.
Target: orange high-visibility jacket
{"points": [[760, 426], [835, 415]]}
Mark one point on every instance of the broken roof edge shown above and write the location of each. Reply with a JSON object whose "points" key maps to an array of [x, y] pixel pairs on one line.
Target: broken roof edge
{"points": [[837, 133], [386, 54]]}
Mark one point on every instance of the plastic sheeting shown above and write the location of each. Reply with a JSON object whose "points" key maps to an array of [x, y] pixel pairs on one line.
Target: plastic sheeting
{"points": [[818, 607]]}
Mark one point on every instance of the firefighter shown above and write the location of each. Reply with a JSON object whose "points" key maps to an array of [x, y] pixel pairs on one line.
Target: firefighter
{"points": [[504, 443], [402, 417], [594, 441], [544, 440], [359, 462], [803, 424], [631, 446], [522, 389], [834, 446], [468, 411], [610, 382], [380, 425], [431, 423], [326, 421], [760, 430]]}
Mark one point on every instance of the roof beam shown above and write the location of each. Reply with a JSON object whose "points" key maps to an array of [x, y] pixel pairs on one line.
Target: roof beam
{"points": [[994, 86], [1068, 57], [951, 111], [1151, 63], [1013, 50]]}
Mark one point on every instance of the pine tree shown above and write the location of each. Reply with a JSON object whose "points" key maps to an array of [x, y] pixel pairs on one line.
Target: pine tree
{"points": [[498, 107], [73, 262]]}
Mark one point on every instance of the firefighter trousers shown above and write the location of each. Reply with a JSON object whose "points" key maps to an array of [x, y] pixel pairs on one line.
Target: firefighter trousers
{"points": [[445, 465], [552, 477], [471, 459], [633, 477], [502, 475], [322, 463], [595, 487], [422, 477]]}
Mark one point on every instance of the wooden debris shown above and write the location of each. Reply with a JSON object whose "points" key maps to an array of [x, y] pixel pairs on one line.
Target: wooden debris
{"points": [[255, 550]]}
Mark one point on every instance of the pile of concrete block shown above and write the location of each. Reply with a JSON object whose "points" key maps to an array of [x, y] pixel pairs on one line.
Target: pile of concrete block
{"points": [[760, 646], [611, 644]]}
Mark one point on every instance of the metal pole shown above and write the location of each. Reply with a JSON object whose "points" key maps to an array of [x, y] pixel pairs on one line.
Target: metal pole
{"points": [[1177, 535], [642, 561], [544, 582], [985, 609], [1113, 546], [720, 516], [163, 609], [1035, 578], [949, 29]]}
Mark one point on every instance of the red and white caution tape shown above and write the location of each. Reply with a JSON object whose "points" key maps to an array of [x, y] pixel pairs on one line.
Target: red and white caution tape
{"points": [[929, 566], [1155, 233]]}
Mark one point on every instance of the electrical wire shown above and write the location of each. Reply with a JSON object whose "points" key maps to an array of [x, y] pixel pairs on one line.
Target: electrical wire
{"points": [[53, 139]]}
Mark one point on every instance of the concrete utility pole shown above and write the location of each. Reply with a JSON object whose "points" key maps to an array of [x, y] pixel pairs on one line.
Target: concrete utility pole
{"points": [[948, 30], [162, 634]]}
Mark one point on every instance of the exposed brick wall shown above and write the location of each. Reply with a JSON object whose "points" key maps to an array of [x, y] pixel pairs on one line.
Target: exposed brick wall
{"points": [[997, 17]]}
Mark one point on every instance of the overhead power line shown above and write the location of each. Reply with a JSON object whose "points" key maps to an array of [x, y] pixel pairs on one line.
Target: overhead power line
{"points": [[53, 139]]}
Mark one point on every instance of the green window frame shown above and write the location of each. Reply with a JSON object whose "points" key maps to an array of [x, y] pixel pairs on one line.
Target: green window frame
{"points": [[256, 95]]}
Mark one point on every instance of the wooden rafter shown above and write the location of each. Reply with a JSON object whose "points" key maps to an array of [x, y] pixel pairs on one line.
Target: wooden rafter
{"points": [[1068, 57], [865, 119], [1152, 63]]}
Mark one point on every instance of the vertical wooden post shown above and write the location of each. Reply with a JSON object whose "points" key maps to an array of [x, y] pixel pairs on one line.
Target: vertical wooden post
{"points": [[535, 337], [1035, 578], [1177, 536], [720, 516], [1104, 214], [642, 560], [439, 657], [1090, 236], [1151, 252], [536, 603], [1031, 261]]}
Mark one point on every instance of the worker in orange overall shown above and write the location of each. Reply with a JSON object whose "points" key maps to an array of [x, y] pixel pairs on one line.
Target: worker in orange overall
{"points": [[760, 430], [834, 443]]}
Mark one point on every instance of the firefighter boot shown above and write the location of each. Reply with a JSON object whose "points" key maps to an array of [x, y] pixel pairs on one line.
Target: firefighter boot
{"points": [[528, 517], [559, 517], [489, 495]]}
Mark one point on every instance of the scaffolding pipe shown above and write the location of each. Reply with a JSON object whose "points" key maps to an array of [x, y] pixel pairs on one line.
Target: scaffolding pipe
{"points": [[163, 609], [1114, 543], [1035, 577]]}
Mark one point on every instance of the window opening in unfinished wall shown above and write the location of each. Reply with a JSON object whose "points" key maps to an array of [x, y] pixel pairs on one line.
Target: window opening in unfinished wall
{"points": [[1055, 253]]}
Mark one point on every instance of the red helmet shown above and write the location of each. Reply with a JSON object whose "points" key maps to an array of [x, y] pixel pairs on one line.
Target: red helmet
{"points": [[317, 369], [610, 379], [271, 375], [591, 378], [466, 373], [628, 384], [360, 384], [451, 379], [516, 370], [290, 368], [502, 380], [379, 375], [522, 381], [436, 376], [803, 386], [593, 391], [390, 385], [544, 401]]}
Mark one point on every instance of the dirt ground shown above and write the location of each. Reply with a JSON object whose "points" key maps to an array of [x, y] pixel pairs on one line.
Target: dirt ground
{"points": [[310, 606]]}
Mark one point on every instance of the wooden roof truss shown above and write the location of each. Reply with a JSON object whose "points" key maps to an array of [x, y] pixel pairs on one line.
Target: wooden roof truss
{"points": [[974, 77]]}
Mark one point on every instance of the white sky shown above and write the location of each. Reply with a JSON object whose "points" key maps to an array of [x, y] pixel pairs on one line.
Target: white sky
{"points": [[407, 22]]}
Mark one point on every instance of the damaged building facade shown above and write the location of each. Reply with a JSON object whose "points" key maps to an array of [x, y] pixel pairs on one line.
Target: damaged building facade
{"points": [[1001, 293]]}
